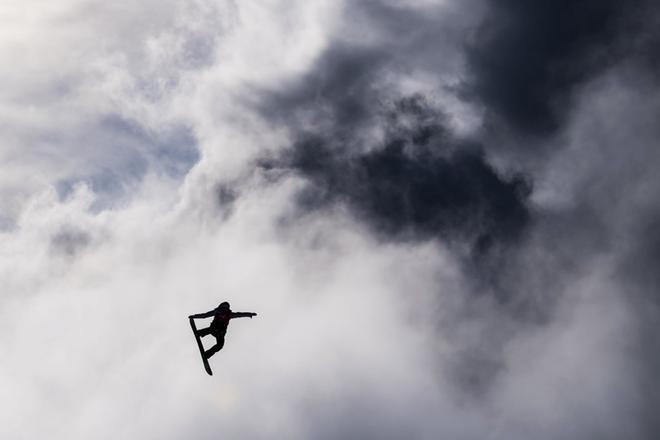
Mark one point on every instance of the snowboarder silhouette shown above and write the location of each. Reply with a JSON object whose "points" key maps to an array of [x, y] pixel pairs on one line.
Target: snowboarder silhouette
{"points": [[218, 328]]}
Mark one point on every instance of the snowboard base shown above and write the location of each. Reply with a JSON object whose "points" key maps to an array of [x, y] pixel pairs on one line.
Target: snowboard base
{"points": [[207, 367]]}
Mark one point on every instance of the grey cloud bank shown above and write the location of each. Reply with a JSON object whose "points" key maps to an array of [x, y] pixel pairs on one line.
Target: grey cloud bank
{"points": [[444, 213]]}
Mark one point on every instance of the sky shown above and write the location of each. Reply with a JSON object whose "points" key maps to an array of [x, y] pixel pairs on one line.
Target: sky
{"points": [[446, 214]]}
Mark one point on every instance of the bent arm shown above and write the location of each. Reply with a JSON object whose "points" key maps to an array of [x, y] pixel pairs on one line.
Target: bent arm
{"points": [[242, 315], [202, 315]]}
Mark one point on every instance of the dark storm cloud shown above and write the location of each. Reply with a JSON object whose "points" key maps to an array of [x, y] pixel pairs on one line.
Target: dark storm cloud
{"points": [[527, 64], [417, 180], [640, 271], [339, 90], [378, 44], [528, 57], [421, 183], [641, 266]]}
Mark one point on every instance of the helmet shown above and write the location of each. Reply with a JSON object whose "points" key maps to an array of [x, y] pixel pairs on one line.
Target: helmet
{"points": [[224, 305]]}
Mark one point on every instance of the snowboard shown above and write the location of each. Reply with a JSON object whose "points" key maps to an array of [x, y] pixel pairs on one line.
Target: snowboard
{"points": [[207, 367]]}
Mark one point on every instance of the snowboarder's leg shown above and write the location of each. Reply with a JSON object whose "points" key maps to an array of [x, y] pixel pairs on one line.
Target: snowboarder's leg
{"points": [[216, 348], [204, 331]]}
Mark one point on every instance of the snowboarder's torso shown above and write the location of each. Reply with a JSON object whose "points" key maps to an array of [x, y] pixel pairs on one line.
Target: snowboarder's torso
{"points": [[220, 322]]}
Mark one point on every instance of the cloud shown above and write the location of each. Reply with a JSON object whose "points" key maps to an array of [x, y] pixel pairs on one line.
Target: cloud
{"points": [[319, 163], [527, 60], [420, 183]]}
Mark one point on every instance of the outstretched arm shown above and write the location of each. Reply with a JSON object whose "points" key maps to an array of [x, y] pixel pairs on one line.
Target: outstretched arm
{"points": [[242, 314], [202, 315]]}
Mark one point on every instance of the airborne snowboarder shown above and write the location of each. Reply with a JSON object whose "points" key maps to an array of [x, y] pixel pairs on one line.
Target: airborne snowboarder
{"points": [[218, 328]]}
